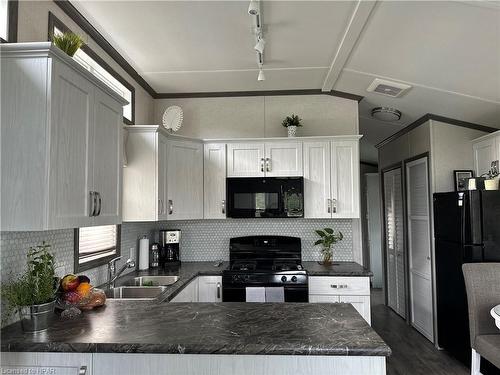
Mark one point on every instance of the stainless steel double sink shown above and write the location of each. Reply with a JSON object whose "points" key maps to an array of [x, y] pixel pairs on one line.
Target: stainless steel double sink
{"points": [[142, 287]]}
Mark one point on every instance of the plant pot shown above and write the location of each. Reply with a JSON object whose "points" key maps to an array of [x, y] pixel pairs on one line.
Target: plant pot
{"points": [[37, 318], [292, 131]]}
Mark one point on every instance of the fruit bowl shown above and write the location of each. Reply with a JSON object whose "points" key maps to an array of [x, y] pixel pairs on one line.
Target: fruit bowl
{"points": [[76, 291]]}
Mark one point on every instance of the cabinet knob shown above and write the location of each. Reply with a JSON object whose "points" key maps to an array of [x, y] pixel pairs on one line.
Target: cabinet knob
{"points": [[170, 206], [93, 203], [334, 205], [223, 206], [262, 164], [268, 165], [329, 205], [100, 204]]}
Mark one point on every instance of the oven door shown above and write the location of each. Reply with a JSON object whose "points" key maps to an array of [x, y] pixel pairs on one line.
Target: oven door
{"points": [[265, 197], [237, 293]]}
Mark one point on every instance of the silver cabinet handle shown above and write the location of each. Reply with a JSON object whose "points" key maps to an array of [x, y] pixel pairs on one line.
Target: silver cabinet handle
{"points": [[334, 205], [218, 290], [329, 205], [170, 206], [82, 370], [93, 203], [160, 206], [268, 165], [223, 204], [262, 164], [341, 286], [100, 203]]}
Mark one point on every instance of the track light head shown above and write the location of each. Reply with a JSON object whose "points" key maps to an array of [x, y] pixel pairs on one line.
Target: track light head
{"points": [[254, 8], [261, 76], [261, 44]]}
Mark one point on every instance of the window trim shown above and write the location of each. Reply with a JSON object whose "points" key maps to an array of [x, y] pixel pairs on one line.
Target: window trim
{"points": [[12, 16], [96, 262], [56, 22]]}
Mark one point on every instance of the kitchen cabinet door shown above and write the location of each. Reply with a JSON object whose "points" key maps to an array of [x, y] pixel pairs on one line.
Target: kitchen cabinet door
{"points": [[245, 159], [161, 181], [345, 179], [283, 159], [188, 294], [184, 180], [210, 289], [108, 154], [214, 168], [360, 303], [317, 188], [71, 155], [485, 152], [46, 363]]}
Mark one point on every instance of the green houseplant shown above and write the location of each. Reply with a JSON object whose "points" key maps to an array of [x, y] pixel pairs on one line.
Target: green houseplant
{"points": [[32, 295], [327, 238], [291, 123], [68, 42]]}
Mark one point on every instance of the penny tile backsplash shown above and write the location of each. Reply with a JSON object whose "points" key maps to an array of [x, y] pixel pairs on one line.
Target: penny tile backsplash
{"points": [[201, 240]]}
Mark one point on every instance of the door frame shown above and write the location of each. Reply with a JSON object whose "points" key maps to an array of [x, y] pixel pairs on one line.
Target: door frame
{"points": [[431, 238], [384, 227]]}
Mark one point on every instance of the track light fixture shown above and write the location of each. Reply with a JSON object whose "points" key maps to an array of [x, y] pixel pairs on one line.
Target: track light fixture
{"points": [[254, 8], [261, 76], [261, 43]]}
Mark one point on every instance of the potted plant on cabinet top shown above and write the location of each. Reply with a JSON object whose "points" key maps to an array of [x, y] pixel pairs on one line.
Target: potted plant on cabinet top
{"points": [[68, 42], [291, 123], [328, 238], [33, 294]]}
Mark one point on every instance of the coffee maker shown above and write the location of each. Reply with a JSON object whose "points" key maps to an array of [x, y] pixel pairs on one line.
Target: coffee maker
{"points": [[169, 246]]}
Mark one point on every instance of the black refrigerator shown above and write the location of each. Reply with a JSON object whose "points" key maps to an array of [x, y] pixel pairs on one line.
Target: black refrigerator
{"points": [[466, 230]]}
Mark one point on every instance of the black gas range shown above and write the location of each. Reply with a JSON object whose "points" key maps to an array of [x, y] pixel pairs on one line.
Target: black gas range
{"points": [[265, 262]]}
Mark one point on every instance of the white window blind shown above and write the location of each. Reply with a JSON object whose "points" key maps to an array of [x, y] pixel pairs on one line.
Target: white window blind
{"points": [[96, 242]]}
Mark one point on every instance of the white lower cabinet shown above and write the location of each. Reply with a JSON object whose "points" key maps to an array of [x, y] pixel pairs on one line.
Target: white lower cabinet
{"points": [[201, 289], [342, 289], [210, 289], [46, 363]]}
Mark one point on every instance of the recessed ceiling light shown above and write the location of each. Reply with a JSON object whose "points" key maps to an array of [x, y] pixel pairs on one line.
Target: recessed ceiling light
{"points": [[386, 114]]}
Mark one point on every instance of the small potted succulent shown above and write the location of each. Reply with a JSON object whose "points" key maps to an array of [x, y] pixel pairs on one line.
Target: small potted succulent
{"points": [[68, 42], [292, 123], [328, 238], [32, 295]]}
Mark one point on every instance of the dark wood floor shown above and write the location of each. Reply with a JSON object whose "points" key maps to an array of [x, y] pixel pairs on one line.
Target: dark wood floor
{"points": [[412, 354]]}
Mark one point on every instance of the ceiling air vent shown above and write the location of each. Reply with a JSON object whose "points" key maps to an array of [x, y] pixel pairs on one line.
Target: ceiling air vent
{"points": [[388, 88]]}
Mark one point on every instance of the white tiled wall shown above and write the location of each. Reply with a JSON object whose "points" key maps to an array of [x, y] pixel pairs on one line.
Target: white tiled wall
{"points": [[202, 240]]}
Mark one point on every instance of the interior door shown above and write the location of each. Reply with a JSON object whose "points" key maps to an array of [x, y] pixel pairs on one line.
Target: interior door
{"points": [[108, 156], [317, 187], [214, 170], [283, 159], [345, 179], [71, 177], [184, 180], [245, 160], [419, 246], [394, 241]]}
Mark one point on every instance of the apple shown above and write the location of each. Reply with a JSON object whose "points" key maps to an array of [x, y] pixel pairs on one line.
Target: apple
{"points": [[69, 282], [72, 297]]}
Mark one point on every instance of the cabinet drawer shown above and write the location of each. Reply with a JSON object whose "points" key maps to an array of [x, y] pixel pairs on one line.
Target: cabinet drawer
{"points": [[351, 286], [323, 298]]}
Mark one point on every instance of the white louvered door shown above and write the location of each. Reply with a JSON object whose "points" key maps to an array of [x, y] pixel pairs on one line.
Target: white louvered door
{"points": [[419, 246], [394, 243]]}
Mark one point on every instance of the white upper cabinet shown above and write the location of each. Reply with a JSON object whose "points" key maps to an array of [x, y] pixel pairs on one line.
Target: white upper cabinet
{"points": [[245, 159], [272, 159], [215, 181], [317, 174], [486, 150], [61, 142], [184, 180], [345, 179], [283, 159], [144, 177], [331, 178]]}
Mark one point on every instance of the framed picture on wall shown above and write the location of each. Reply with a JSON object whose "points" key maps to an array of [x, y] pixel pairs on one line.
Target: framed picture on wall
{"points": [[461, 177]]}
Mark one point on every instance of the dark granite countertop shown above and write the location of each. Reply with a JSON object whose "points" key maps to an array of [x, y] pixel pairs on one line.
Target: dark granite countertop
{"points": [[336, 269], [207, 328]]}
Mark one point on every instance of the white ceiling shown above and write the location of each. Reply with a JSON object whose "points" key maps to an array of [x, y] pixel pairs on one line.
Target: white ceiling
{"points": [[448, 51]]}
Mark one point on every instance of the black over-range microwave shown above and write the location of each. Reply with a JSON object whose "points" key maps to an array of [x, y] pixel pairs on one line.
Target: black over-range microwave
{"points": [[265, 197]]}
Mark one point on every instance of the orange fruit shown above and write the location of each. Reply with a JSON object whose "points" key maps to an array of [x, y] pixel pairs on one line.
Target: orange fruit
{"points": [[83, 289]]}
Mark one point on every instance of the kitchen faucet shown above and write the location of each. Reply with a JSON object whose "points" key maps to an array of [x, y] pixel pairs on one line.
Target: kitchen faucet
{"points": [[113, 274]]}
